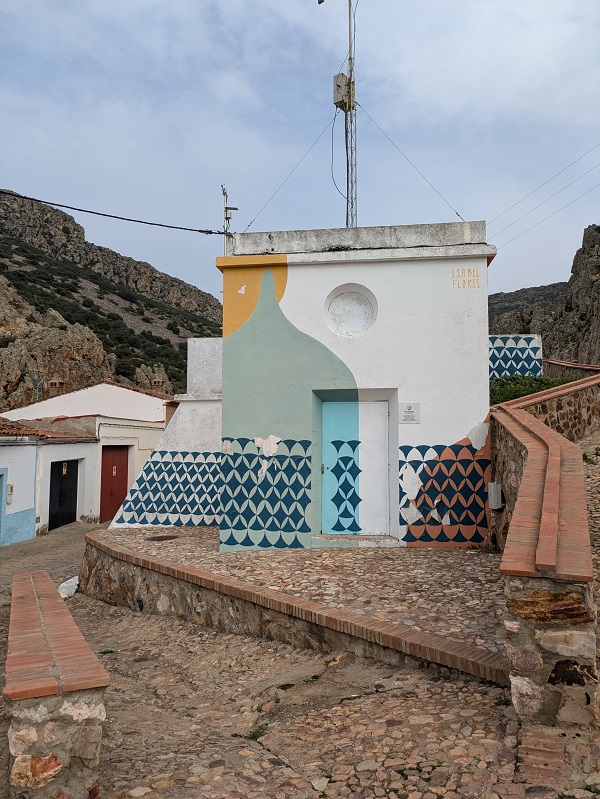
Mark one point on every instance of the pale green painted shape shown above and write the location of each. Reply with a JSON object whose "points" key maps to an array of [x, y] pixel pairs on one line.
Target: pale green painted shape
{"points": [[273, 377]]}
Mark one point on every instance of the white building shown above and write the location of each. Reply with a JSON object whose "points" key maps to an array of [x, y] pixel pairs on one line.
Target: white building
{"points": [[76, 463], [355, 394]]}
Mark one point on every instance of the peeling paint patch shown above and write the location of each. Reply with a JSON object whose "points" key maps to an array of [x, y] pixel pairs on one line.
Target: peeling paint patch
{"points": [[411, 514], [435, 515], [242, 289], [268, 445], [264, 465], [410, 482], [227, 448], [478, 435]]}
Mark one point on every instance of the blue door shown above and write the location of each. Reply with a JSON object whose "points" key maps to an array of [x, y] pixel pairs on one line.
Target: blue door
{"points": [[340, 490]]}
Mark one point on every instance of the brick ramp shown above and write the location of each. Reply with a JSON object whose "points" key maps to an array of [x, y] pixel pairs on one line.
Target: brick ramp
{"points": [[47, 654], [462, 656]]}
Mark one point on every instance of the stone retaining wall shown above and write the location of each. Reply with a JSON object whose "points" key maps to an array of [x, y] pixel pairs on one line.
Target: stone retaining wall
{"points": [[576, 371], [118, 576], [573, 410], [509, 456], [551, 650], [543, 531], [53, 689], [54, 743]]}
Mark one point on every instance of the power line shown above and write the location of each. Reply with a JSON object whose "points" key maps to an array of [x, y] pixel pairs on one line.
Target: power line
{"points": [[514, 205], [340, 192], [539, 205], [393, 143], [282, 184], [112, 216], [550, 215]]}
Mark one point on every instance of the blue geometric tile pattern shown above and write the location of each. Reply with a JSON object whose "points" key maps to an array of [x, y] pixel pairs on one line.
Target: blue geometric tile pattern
{"points": [[515, 355], [346, 498], [175, 489], [450, 503], [264, 499]]}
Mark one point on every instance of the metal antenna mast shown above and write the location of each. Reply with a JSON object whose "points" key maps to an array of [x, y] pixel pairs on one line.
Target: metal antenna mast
{"points": [[344, 98], [227, 209]]}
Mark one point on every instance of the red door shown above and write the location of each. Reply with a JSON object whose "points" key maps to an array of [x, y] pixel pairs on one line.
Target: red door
{"points": [[113, 481]]}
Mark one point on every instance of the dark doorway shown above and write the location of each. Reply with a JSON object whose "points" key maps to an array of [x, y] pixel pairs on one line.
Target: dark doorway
{"points": [[63, 493], [113, 485]]}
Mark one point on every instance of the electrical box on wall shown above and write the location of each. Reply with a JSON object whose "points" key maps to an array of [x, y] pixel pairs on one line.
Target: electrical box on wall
{"points": [[10, 490], [495, 499]]}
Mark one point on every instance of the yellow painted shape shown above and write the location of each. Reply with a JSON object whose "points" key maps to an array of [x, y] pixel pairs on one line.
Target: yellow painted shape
{"points": [[241, 286]]}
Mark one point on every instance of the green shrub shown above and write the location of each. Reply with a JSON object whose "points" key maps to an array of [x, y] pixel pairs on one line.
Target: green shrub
{"points": [[503, 389]]}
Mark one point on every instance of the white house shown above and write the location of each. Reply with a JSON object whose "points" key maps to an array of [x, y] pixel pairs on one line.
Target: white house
{"points": [[74, 457], [355, 394]]}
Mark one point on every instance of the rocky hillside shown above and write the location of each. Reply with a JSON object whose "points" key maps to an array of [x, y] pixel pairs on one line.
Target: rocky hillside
{"points": [[568, 323], [80, 313], [507, 309]]}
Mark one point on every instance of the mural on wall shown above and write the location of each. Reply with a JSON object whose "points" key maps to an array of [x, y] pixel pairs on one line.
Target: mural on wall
{"points": [[299, 453], [515, 355], [443, 492], [272, 417], [264, 496], [174, 489]]}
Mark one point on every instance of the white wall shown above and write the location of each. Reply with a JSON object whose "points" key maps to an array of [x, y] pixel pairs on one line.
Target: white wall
{"points": [[429, 340], [104, 399], [204, 371], [20, 461], [195, 427]]}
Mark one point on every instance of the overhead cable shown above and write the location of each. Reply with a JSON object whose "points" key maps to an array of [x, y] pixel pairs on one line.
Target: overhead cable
{"points": [[282, 184], [539, 205], [550, 216], [112, 216], [340, 192], [393, 143], [514, 205]]}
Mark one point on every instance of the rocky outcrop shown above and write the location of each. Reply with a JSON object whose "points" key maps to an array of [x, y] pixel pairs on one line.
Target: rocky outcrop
{"points": [[36, 346], [56, 233], [570, 323], [517, 307]]}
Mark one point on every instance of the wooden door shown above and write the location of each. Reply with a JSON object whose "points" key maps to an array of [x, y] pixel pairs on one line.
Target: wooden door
{"points": [[63, 493], [113, 480]]}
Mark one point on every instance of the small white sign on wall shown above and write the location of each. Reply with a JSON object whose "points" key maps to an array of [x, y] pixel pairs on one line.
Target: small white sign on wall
{"points": [[410, 413]]}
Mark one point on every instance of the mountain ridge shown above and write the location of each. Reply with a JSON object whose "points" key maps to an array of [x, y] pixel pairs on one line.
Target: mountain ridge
{"points": [[118, 318]]}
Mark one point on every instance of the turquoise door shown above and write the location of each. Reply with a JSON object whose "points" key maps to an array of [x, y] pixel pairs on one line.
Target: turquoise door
{"points": [[340, 470]]}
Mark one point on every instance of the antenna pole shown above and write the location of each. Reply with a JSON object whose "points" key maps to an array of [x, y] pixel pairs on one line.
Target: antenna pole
{"points": [[344, 98], [350, 126], [227, 209]]}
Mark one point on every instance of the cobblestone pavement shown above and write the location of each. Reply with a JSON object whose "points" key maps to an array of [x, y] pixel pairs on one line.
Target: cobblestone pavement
{"points": [[197, 713], [59, 553], [453, 593]]}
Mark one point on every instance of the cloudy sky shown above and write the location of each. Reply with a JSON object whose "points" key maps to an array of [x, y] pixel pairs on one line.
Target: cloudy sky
{"points": [[144, 108]]}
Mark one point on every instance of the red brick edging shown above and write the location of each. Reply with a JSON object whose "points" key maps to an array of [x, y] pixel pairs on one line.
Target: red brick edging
{"points": [[47, 654], [463, 657], [548, 535]]}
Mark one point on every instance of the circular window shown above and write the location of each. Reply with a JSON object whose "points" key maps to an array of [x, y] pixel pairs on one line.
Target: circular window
{"points": [[350, 313]]}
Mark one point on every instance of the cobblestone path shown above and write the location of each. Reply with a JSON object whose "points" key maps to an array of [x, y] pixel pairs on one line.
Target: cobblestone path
{"points": [[457, 594], [196, 713]]}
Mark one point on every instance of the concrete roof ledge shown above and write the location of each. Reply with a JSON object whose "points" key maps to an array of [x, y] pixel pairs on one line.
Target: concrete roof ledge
{"points": [[395, 237]]}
